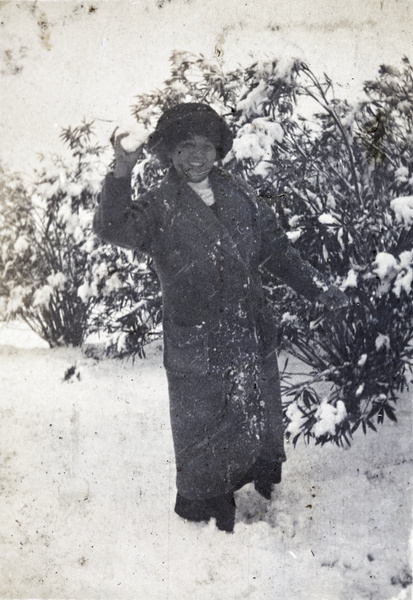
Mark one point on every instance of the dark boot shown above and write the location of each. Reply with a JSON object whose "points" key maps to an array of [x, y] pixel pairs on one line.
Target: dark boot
{"points": [[265, 475], [222, 508], [192, 510], [224, 512]]}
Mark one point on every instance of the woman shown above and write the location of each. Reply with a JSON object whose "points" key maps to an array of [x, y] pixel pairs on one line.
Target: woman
{"points": [[209, 236]]}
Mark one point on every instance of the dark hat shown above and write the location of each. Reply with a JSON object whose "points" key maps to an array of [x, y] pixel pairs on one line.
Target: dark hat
{"points": [[183, 121]]}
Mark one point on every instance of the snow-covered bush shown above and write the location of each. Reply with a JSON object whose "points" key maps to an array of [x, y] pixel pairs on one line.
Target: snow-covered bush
{"points": [[349, 210], [340, 177], [56, 276], [45, 237]]}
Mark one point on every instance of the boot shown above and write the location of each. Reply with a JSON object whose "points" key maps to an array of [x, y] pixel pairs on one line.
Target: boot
{"points": [[265, 475], [222, 508]]}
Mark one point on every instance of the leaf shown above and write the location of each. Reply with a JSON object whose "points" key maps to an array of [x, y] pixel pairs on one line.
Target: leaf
{"points": [[390, 413], [308, 398], [356, 426], [370, 425]]}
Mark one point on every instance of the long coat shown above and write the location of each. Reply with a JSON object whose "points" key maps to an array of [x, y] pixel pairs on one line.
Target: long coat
{"points": [[219, 340]]}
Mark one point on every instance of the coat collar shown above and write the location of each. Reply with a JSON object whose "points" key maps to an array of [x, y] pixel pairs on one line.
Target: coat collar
{"points": [[224, 231]]}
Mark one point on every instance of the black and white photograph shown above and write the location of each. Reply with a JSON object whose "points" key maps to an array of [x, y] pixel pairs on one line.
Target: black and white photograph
{"points": [[206, 300]]}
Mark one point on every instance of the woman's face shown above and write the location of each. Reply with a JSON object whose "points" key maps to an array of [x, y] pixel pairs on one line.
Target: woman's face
{"points": [[194, 158]]}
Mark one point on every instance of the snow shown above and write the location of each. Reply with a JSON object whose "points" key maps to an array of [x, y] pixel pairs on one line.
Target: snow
{"points": [[21, 245], [88, 492], [327, 219], [398, 272], [403, 209], [401, 174], [362, 360], [57, 280], [385, 265], [133, 137], [382, 341], [350, 281], [255, 140], [293, 236], [250, 105], [42, 296], [328, 417], [15, 300]]}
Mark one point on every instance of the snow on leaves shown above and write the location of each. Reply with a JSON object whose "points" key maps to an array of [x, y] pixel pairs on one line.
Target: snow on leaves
{"points": [[341, 181]]}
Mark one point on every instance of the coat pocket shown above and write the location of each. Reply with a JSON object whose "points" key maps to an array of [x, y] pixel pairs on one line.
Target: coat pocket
{"points": [[185, 349]]}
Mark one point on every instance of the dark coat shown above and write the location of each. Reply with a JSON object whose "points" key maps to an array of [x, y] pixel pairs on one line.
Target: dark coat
{"points": [[219, 340]]}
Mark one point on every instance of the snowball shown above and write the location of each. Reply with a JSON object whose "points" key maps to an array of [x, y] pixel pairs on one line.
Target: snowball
{"points": [[403, 209], [328, 417], [136, 137]]}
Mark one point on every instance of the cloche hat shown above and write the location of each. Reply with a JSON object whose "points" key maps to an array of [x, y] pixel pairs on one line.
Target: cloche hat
{"points": [[187, 119]]}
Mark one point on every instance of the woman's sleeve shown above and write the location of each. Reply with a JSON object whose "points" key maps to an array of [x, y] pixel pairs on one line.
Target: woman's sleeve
{"points": [[120, 221], [282, 260]]}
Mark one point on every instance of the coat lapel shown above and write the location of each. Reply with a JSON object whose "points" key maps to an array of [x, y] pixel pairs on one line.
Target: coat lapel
{"points": [[222, 232]]}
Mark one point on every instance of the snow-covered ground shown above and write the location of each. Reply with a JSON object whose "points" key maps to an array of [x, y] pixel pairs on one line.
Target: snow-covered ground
{"points": [[87, 496]]}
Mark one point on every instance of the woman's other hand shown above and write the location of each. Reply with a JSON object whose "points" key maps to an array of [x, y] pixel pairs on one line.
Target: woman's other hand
{"points": [[333, 298], [124, 160]]}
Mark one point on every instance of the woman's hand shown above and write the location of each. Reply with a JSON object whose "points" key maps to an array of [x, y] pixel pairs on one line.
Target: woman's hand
{"points": [[333, 298], [124, 161]]}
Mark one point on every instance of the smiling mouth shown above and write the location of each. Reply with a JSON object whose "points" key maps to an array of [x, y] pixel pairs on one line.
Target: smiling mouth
{"points": [[199, 169]]}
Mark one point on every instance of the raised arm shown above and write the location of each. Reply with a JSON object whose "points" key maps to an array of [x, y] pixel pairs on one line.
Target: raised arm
{"points": [[118, 220]]}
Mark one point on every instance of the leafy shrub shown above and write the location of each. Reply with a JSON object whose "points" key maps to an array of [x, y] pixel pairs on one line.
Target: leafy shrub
{"points": [[332, 175], [339, 175], [45, 240], [56, 276]]}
